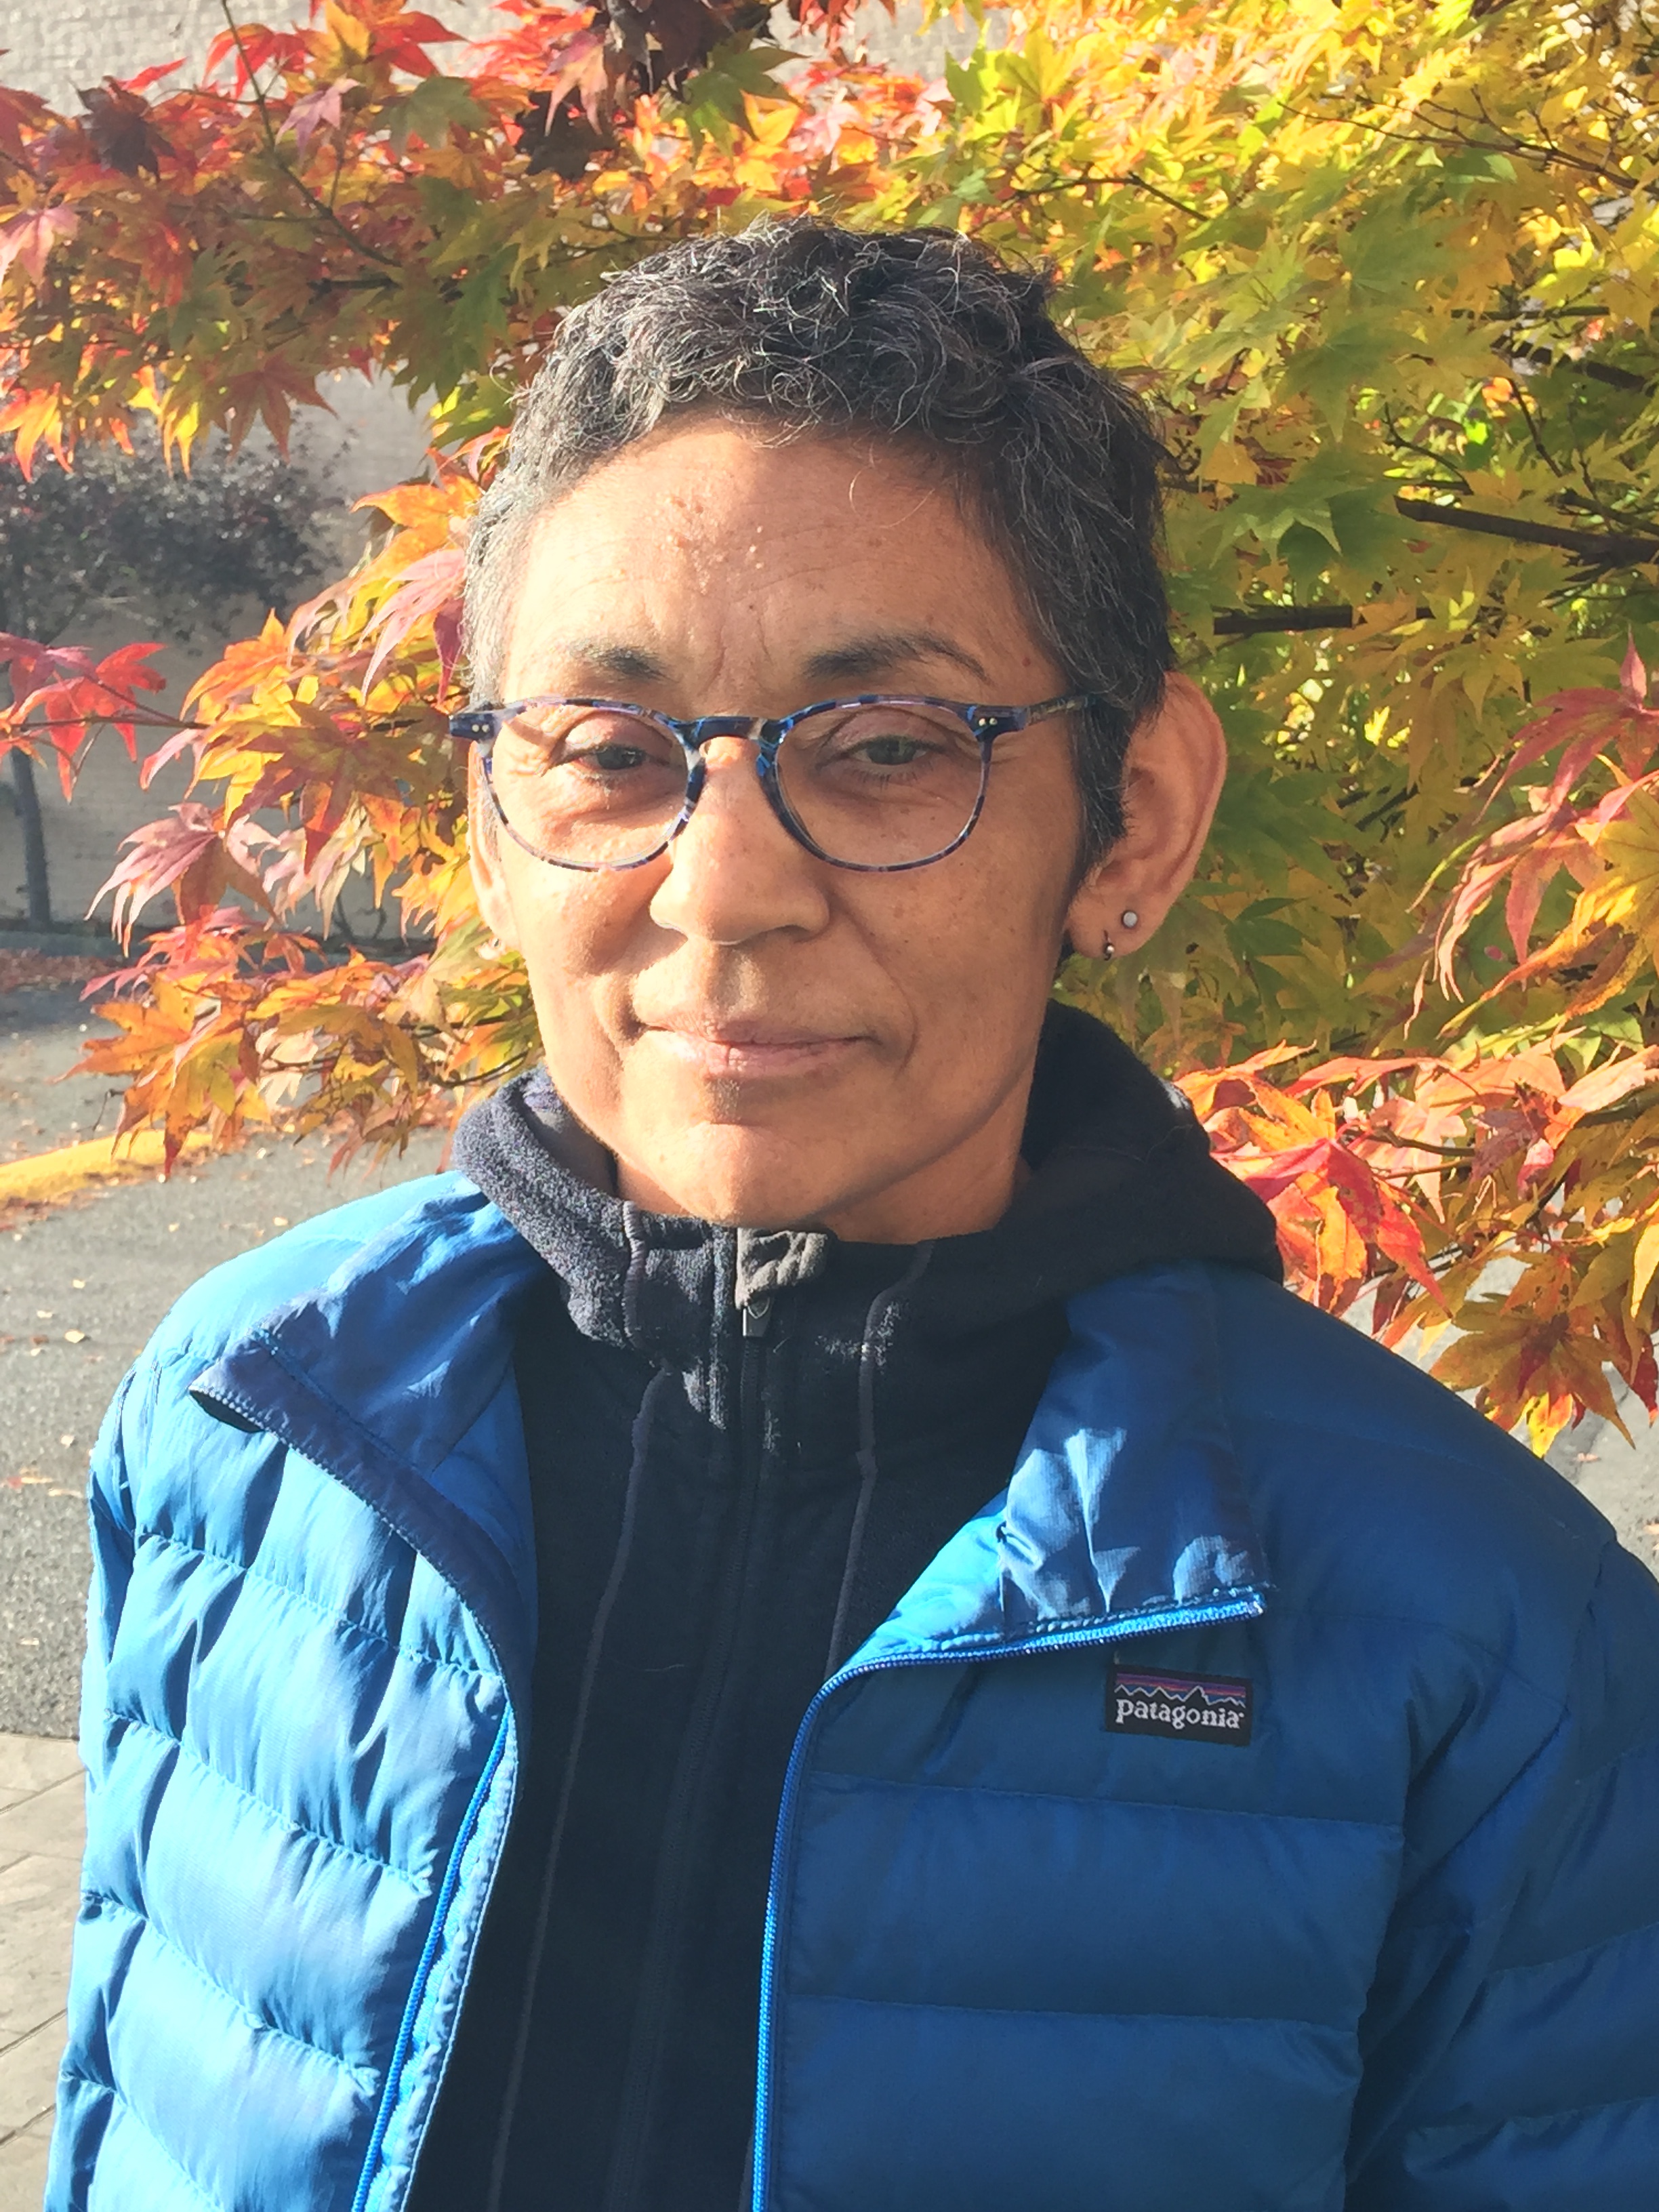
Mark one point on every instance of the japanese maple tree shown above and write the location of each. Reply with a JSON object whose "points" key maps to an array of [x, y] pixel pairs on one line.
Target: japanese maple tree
{"points": [[1390, 274]]}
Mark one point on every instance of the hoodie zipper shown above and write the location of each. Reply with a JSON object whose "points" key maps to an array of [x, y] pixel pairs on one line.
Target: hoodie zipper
{"points": [[1247, 1606], [683, 1818]]}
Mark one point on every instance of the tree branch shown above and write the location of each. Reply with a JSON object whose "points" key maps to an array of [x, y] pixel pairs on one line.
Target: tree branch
{"points": [[1444, 134], [1157, 192], [1051, 181], [1606, 548], [319, 207], [1402, 444], [1534, 430], [1257, 621], [1602, 371]]}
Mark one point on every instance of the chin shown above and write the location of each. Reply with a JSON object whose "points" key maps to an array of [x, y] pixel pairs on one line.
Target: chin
{"points": [[748, 1184]]}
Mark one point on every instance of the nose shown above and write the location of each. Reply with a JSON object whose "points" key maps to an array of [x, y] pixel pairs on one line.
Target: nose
{"points": [[734, 872]]}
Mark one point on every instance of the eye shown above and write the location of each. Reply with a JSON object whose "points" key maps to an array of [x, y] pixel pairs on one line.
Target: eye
{"points": [[895, 743], [891, 752], [610, 758], [605, 746]]}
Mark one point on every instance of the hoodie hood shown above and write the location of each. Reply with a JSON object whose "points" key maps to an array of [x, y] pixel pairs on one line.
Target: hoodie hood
{"points": [[1121, 1178]]}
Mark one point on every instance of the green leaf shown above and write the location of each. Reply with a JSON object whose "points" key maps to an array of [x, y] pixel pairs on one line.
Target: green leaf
{"points": [[1394, 248], [437, 105], [714, 95], [1334, 365]]}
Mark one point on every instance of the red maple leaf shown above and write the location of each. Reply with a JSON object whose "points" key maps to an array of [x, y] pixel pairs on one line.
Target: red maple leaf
{"points": [[118, 124], [28, 239]]}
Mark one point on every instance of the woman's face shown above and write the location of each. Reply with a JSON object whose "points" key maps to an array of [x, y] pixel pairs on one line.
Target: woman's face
{"points": [[758, 1037]]}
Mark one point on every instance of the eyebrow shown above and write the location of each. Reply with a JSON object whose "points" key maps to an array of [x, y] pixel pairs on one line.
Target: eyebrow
{"points": [[857, 662], [629, 664], [862, 658]]}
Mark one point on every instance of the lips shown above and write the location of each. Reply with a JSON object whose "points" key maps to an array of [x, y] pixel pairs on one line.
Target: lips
{"points": [[732, 1047]]}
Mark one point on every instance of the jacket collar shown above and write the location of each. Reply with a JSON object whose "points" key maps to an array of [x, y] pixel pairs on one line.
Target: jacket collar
{"points": [[391, 1376], [1127, 1509]]}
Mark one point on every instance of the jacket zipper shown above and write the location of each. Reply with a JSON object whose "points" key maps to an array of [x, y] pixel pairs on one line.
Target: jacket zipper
{"points": [[639, 2092], [1248, 1606]]}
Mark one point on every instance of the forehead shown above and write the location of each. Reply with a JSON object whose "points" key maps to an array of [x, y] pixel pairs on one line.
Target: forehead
{"points": [[715, 545]]}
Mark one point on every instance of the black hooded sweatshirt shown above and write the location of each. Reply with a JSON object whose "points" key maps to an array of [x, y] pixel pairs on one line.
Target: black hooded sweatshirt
{"points": [[743, 1447]]}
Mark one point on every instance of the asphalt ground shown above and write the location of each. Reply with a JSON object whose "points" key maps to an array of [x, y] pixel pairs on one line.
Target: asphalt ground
{"points": [[83, 1282]]}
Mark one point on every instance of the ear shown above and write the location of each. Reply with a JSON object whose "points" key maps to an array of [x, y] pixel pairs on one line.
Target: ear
{"points": [[489, 882], [1176, 764]]}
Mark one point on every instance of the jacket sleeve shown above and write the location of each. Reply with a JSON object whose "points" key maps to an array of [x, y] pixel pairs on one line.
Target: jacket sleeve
{"points": [[97, 1967], [1513, 2037], [111, 1529]]}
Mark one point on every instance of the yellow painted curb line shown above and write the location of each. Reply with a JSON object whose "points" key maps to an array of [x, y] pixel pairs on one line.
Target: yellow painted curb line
{"points": [[56, 1175]]}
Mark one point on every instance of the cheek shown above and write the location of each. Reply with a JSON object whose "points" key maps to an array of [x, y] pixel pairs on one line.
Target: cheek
{"points": [[973, 952], [579, 926], [1009, 903], [580, 935]]}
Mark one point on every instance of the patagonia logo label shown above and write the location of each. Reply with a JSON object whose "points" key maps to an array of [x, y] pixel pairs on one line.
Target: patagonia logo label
{"points": [[1207, 1708]]}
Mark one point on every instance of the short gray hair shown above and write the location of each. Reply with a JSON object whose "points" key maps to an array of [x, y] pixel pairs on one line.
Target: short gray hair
{"points": [[921, 337]]}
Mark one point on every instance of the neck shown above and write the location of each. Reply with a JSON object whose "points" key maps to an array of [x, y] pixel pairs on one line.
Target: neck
{"points": [[965, 1189]]}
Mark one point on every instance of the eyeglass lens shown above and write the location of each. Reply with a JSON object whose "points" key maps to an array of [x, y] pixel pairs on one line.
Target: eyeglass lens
{"points": [[871, 786]]}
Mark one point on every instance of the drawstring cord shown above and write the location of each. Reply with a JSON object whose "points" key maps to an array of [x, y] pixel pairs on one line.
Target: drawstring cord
{"points": [[880, 1307]]}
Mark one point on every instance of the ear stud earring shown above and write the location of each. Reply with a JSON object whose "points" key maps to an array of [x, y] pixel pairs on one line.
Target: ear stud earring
{"points": [[1131, 919]]}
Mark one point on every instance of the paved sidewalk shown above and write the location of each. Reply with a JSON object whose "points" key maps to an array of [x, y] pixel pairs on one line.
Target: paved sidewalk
{"points": [[40, 1831], [82, 1283]]}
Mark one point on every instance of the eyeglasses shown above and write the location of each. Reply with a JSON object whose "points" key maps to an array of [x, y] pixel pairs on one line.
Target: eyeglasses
{"points": [[873, 783]]}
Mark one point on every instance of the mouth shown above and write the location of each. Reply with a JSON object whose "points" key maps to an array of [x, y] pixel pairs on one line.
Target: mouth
{"points": [[733, 1049]]}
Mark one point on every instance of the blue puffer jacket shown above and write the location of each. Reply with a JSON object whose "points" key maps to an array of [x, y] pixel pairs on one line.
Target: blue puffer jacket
{"points": [[1386, 1938]]}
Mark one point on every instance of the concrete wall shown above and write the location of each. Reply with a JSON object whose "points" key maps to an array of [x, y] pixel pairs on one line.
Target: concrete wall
{"points": [[55, 47]]}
